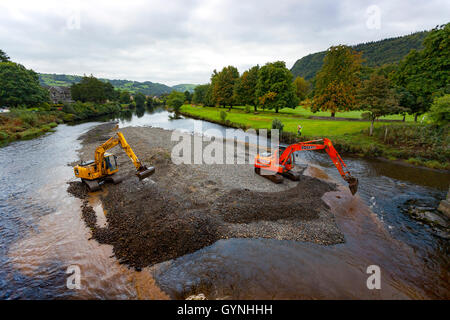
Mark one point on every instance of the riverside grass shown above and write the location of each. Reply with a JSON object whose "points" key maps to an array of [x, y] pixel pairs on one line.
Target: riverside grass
{"points": [[291, 118]]}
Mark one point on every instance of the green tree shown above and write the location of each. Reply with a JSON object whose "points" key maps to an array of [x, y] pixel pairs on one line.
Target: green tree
{"points": [[209, 99], [150, 103], [125, 97], [91, 89], [275, 88], [245, 88], [337, 82], [188, 96], [378, 98], [139, 98], [426, 73], [200, 93], [440, 110], [20, 86], [175, 100], [301, 88], [223, 85], [3, 56], [110, 93], [405, 100]]}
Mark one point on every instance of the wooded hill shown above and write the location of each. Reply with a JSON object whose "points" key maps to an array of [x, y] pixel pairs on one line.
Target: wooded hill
{"points": [[376, 53], [147, 87]]}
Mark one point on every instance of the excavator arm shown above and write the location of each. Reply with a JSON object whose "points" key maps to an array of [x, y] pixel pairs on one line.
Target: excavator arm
{"points": [[332, 153], [142, 170]]}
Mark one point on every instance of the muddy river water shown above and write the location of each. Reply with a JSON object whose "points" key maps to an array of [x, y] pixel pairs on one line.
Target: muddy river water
{"points": [[42, 234]]}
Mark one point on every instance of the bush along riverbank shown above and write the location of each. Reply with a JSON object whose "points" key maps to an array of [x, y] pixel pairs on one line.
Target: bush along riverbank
{"points": [[416, 144], [28, 123]]}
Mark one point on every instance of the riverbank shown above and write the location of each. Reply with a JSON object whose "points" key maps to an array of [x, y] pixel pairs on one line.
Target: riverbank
{"points": [[184, 208], [24, 124], [421, 145]]}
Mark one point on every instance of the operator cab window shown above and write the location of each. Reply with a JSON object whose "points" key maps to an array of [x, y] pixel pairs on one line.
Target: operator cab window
{"points": [[111, 162]]}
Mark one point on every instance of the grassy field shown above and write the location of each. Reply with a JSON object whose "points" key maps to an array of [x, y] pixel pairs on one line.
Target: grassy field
{"points": [[306, 113], [291, 118]]}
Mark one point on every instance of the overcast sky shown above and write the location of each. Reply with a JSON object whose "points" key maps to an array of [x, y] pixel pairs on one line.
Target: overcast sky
{"points": [[176, 42]]}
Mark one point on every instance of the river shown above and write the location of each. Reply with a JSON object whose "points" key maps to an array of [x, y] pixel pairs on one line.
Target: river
{"points": [[41, 234]]}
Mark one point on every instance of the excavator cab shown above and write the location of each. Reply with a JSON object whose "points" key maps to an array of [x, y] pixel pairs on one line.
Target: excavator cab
{"points": [[110, 164]]}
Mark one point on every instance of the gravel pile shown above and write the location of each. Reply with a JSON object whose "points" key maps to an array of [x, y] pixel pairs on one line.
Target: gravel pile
{"points": [[183, 208]]}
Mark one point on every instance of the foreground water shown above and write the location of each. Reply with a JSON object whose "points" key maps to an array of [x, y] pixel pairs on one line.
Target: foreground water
{"points": [[41, 235]]}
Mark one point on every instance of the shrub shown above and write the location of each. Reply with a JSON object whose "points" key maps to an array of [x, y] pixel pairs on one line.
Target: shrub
{"points": [[45, 106], [29, 133], [67, 108], [27, 117], [277, 124], [440, 110], [46, 128], [3, 135], [365, 115], [223, 115], [247, 109]]}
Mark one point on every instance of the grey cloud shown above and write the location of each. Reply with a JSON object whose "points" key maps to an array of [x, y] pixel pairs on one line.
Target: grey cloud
{"points": [[183, 41]]}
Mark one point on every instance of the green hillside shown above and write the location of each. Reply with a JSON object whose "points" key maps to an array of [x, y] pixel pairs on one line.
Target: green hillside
{"points": [[375, 53], [147, 87], [184, 87]]}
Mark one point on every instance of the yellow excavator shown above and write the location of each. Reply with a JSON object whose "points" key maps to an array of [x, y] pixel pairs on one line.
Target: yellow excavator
{"points": [[104, 166]]}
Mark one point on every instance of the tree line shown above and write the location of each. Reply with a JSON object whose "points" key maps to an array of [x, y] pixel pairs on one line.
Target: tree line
{"points": [[91, 89], [412, 86], [269, 87], [19, 85]]}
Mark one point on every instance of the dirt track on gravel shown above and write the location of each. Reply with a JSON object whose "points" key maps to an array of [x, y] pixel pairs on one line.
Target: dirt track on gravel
{"points": [[183, 208]]}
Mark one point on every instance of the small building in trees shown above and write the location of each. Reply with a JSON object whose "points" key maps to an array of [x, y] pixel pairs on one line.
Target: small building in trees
{"points": [[60, 94]]}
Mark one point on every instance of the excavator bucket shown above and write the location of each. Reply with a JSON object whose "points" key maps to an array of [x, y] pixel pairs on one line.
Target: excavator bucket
{"points": [[145, 172], [352, 184]]}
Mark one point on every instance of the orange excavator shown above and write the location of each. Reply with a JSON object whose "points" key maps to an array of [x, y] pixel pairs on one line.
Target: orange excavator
{"points": [[276, 165]]}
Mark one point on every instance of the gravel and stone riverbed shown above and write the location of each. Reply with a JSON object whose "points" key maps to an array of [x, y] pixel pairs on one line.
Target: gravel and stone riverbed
{"points": [[183, 208]]}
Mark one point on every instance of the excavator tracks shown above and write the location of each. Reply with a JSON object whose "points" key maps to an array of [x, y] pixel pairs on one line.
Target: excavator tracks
{"points": [[93, 185], [292, 175], [276, 178]]}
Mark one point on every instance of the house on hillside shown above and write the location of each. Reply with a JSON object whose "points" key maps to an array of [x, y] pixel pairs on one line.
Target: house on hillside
{"points": [[60, 94]]}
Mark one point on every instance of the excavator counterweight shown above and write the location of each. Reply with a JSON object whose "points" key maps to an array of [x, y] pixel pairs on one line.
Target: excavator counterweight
{"points": [[279, 164], [104, 167]]}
